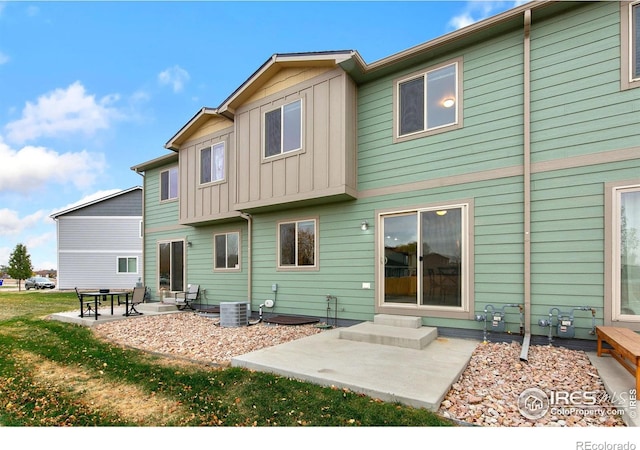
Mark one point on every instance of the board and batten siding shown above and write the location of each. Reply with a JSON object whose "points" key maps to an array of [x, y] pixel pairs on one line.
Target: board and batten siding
{"points": [[89, 247], [211, 201], [324, 167]]}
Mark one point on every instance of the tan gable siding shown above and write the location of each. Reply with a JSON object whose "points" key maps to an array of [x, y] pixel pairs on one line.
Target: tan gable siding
{"points": [[213, 125], [212, 201], [285, 78], [324, 167]]}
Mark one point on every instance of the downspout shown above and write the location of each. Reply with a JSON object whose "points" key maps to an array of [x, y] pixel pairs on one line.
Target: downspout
{"points": [[144, 224], [249, 220], [527, 184]]}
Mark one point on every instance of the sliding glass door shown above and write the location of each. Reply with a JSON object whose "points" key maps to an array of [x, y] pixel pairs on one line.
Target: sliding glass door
{"points": [[424, 257], [171, 266]]}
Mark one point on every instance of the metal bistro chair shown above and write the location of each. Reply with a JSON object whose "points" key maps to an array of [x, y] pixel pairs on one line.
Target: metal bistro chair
{"points": [[186, 299], [137, 297], [87, 306]]}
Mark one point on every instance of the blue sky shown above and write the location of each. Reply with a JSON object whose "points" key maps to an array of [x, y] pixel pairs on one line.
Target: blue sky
{"points": [[89, 89]]}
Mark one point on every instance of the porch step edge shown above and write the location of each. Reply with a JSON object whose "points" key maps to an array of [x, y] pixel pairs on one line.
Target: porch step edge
{"points": [[398, 321], [372, 333]]}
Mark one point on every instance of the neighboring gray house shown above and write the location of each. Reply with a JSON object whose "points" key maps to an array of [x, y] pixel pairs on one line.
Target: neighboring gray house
{"points": [[100, 242]]}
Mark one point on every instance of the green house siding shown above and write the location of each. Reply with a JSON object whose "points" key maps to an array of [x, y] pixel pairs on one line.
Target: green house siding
{"points": [[567, 240], [577, 105], [583, 134]]}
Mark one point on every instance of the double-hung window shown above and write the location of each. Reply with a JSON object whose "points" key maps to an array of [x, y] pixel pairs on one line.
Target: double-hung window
{"points": [[297, 244], [428, 101], [169, 184], [226, 250], [283, 129], [212, 163], [630, 44], [128, 264]]}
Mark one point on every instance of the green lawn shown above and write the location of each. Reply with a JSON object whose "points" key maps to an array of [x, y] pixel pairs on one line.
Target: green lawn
{"points": [[59, 374]]}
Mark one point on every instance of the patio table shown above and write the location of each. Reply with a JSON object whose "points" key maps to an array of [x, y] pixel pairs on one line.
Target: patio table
{"points": [[96, 298]]}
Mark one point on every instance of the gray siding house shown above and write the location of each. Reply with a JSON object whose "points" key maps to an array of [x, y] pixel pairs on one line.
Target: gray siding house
{"points": [[493, 171], [100, 242]]}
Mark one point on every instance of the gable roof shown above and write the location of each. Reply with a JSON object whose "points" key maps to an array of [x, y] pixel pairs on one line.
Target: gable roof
{"points": [[358, 69], [93, 202], [267, 70]]}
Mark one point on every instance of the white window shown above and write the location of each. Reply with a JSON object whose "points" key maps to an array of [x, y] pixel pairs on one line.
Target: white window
{"points": [[128, 264], [212, 163], [428, 101], [297, 244], [630, 44], [169, 184], [626, 254], [226, 251], [283, 129]]}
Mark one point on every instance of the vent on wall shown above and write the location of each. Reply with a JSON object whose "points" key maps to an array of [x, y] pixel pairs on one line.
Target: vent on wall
{"points": [[234, 314]]}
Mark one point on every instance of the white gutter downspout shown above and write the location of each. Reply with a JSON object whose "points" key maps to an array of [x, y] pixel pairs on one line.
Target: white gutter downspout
{"points": [[527, 184], [249, 220]]}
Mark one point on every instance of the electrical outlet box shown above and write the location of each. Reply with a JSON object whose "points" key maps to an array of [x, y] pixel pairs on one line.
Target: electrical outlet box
{"points": [[274, 287], [366, 285]]}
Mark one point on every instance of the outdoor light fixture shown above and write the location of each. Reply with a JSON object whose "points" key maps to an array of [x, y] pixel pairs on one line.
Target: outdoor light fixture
{"points": [[364, 226], [441, 212], [189, 244]]}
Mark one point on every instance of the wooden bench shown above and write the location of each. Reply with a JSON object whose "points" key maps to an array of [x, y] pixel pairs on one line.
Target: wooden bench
{"points": [[625, 349]]}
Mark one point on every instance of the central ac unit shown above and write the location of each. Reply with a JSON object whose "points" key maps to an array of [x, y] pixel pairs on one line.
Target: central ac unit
{"points": [[234, 314]]}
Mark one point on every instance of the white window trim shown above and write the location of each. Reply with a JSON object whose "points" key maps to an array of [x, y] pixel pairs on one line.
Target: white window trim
{"points": [[397, 137], [614, 270], [467, 308], [238, 268], [168, 170], [118, 258], [184, 263], [627, 81], [316, 243], [210, 147], [264, 129]]}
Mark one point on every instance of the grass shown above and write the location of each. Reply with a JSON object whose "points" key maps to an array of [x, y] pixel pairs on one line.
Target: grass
{"points": [[59, 374]]}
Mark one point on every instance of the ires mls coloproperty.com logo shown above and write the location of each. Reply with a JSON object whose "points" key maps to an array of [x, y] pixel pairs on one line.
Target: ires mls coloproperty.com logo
{"points": [[534, 403]]}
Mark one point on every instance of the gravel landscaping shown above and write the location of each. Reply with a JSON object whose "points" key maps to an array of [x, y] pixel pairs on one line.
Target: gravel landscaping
{"points": [[485, 395]]}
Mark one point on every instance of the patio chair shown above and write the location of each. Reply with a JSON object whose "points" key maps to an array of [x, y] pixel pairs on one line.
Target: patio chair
{"points": [[87, 305], [186, 299], [137, 297]]}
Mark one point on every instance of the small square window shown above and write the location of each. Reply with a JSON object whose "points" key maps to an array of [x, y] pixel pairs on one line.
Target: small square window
{"points": [[297, 244], [127, 265], [169, 184], [212, 163], [226, 250], [283, 129], [428, 101]]}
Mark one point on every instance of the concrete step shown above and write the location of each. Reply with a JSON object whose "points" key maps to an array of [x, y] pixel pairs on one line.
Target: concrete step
{"points": [[373, 333], [398, 321], [156, 307]]}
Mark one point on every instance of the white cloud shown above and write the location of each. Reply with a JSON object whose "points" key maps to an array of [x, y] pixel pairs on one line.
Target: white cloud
{"points": [[31, 167], [175, 76], [12, 224], [63, 111], [3, 58], [477, 10]]}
